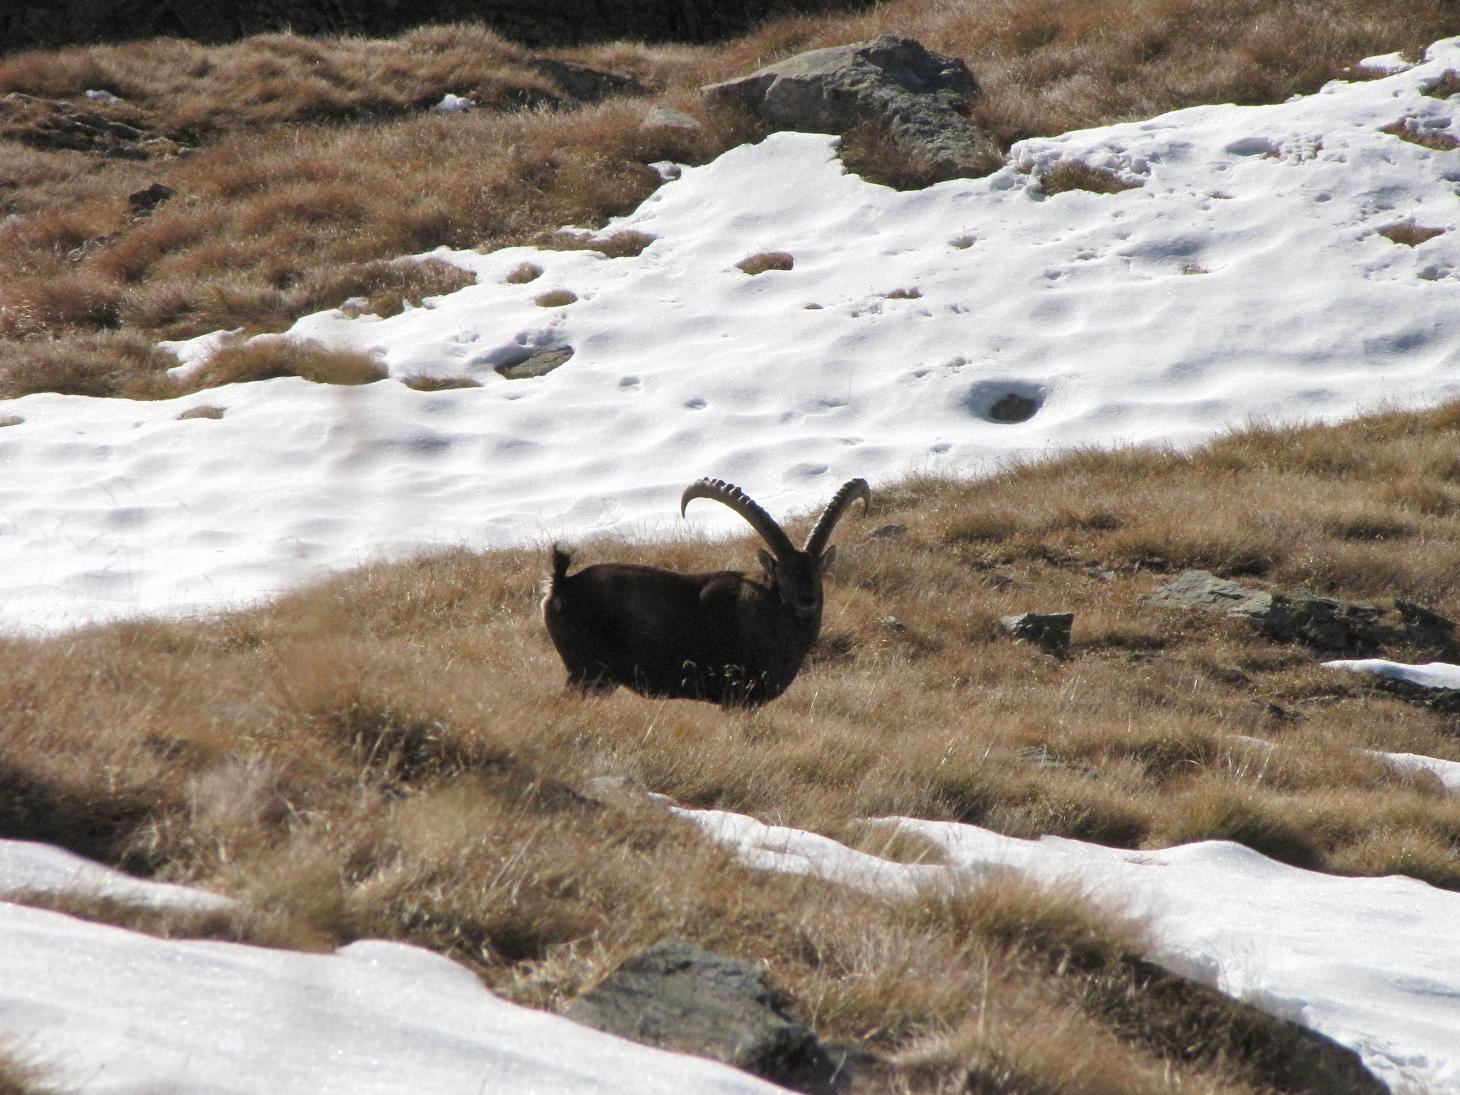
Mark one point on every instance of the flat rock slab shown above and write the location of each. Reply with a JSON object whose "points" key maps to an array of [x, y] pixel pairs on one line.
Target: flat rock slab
{"points": [[918, 97], [679, 997], [1325, 623]]}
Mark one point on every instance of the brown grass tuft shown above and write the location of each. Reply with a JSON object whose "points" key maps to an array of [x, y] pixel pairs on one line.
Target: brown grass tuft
{"points": [[615, 245], [1409, 233], [523, 273], [202, 410], [1436, 139], [555, 298], [762, 261], [268, 359], [1446, 86], [1071, 175], [438, 383]]}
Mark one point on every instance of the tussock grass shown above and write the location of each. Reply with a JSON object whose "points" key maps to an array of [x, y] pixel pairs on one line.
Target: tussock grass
{"points": [[392, 753], [1409, 233], [1071, 175], [615, 245], [315, 161], [762, 261], [1436, 139], [271, 358]]}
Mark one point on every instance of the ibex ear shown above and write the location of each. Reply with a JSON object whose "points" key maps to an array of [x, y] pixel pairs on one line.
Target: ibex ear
{"points": [[827, 558], [768, 561]]}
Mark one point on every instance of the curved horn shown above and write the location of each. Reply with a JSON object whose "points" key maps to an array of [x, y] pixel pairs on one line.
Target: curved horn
{"points": [[851, 490], [743, 504]]}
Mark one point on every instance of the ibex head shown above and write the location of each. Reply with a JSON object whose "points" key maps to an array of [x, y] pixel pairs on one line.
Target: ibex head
{"points": [[794, 574]]}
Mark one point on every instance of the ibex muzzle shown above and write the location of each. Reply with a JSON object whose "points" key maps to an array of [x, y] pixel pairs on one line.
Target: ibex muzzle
{"points": [[725, 637]]}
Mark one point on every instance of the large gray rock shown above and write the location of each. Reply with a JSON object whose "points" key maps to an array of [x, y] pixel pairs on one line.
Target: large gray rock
{"points": [[676, 996], [1325, 623], [918, 97]]}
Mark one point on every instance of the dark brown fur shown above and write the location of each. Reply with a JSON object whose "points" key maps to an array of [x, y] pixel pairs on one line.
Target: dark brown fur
{"points": [[725, 637]]}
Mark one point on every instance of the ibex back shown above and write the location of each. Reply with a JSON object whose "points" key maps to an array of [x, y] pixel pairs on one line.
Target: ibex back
{"points": [[725, 637]]}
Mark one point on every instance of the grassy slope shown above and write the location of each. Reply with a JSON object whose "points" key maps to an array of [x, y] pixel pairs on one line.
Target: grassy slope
{"points": [[391, 753]]}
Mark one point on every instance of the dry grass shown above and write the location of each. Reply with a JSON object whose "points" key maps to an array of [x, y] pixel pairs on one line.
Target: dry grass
{"points": [[438, 383], [762, 261], [1072, 175], [393, 754], [203, 410], [1447, 85], [522, 273], [615, 245], [268, 359], [1409, 233], [1436, 139], [315, 161], [555, 298]]}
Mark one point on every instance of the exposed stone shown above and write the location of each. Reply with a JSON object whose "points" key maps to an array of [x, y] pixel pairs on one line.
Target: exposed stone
{"points": [[887, 532], [585, 84], [1050, 631], [1426, 628], [144, 201], [538, 364], [54, 124], [1288, 1056], [661, 117], [679, 997], [1013, 408], [1325, 623], [916, 96], [1204, 590]]}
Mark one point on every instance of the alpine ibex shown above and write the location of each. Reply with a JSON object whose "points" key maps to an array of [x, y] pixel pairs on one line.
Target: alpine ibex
{"points": [[725, 637]]}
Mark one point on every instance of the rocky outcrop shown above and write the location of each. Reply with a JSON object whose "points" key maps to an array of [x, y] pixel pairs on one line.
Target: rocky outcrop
{"points": [[1325, 623], [917, 97], [676, 996], [1050, 631], [56, 125]]}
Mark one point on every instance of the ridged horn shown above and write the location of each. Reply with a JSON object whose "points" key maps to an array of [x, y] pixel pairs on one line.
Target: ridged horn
{"points": [[731, 495], [851, 490]]}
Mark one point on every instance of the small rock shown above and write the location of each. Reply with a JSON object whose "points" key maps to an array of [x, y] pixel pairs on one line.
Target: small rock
{"points": [[1013, 408], [1050, 631], [97, 95], [143, 202], [679, 997], [538, 364], [887, 532], [453, 104], [1426, 628], [661, 117]]}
